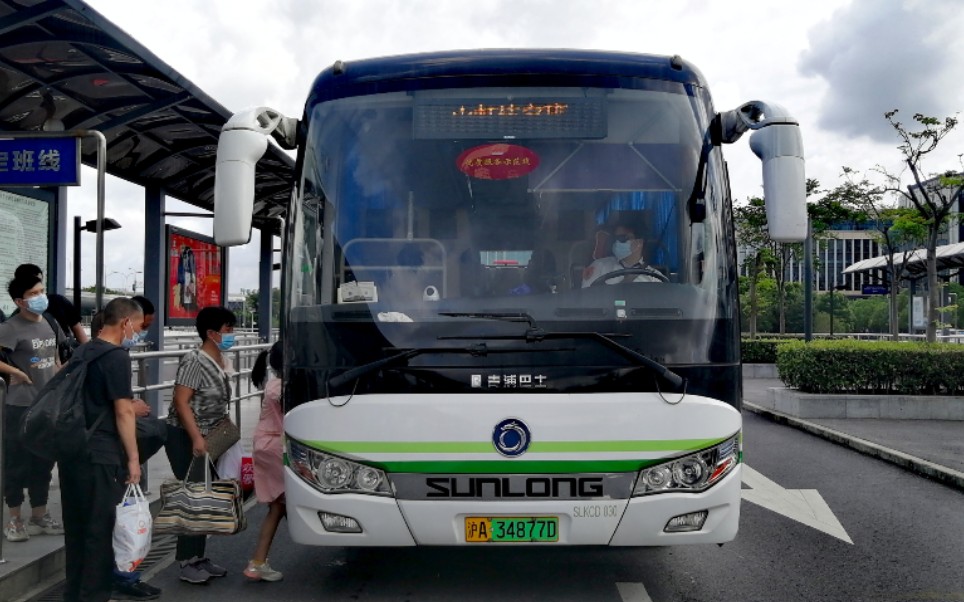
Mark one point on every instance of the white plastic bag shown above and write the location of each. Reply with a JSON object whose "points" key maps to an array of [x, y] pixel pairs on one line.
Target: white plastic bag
{"points": [[229, 464], [132, 530]]}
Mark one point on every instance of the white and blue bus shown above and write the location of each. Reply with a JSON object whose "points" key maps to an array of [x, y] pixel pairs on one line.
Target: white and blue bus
{"points": [[471, 357]]}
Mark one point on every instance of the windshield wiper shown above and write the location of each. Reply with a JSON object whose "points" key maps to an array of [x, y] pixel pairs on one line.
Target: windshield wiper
{"points": [[534, 334], [477, 350]]}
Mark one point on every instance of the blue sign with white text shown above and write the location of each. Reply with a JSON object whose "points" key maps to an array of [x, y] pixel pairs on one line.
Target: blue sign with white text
{"points": [[39, 161], [874, 289]]}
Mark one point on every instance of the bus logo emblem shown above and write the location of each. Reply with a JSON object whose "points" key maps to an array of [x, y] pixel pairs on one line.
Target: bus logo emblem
{"points": [[511, 437]]}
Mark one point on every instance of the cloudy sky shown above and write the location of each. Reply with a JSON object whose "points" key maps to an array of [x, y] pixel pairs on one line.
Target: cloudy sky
{"points": [[837, 65]]}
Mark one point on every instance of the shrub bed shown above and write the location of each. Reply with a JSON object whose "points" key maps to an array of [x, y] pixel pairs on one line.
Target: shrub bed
{"points": [[872, 367], [760, 351]]}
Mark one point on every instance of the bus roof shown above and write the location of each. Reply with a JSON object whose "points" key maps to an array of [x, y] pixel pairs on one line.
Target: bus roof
{"points": [[500, 67]]}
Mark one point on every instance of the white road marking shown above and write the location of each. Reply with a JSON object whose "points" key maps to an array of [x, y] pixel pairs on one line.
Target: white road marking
{"points": [[802, 505], [633, 592]]}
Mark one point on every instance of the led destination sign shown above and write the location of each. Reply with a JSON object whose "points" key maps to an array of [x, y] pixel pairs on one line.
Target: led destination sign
{"points": [[464, 119], [511, 109]]}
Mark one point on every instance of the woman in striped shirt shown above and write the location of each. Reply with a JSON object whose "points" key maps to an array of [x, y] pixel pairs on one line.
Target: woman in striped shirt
{"points": [[202, 393]]}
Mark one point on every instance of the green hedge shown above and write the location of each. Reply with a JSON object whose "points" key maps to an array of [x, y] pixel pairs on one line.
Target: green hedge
{"points": [[760, 351], [872, 367]]}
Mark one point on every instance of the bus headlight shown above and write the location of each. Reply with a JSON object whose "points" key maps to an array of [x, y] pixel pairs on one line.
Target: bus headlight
{"points": [[693, 473], [332, 474]]}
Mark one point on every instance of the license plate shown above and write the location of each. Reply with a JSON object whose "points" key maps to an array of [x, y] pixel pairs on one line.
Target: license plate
{"points": [[511, 529]]}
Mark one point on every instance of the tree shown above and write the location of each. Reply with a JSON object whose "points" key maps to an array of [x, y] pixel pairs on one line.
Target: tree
{"points": [[870, 315], [766, 256], [751, 232], [895, 229], [932, 196], [251, 303]]}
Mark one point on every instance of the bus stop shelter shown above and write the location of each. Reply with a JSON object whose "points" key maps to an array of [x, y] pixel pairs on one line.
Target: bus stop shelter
{"points": [[65, 67], [948, 257]]}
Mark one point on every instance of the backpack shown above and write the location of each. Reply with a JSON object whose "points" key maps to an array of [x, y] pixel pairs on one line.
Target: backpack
{"points": [[55, 425]]}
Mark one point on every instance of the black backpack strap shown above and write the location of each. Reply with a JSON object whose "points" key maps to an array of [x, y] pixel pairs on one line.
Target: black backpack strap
{"points": [[54, 324]]}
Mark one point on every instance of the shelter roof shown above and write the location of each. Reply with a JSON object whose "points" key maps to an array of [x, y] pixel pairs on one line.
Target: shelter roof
{"points": [[948, 257], [61, 60]]}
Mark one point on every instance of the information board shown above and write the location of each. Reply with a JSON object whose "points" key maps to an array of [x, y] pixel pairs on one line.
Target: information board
{"points": [[25, 236]]}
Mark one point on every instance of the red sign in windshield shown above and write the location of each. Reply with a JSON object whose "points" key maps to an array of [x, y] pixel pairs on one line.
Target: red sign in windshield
{"points": [[497, 161]]}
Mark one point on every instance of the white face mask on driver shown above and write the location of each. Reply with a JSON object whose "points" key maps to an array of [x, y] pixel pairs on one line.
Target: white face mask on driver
{"points": [[622, 249]]}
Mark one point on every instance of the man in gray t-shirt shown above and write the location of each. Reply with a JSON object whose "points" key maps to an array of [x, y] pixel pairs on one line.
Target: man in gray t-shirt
{"points": [[29, 346]]}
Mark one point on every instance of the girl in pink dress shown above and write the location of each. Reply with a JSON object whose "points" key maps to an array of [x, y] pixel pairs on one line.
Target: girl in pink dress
{"points": [[268, 463]]}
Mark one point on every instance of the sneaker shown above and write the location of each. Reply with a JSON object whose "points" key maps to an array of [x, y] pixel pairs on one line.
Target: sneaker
{"points": [[262, 572], [215, 570], [45, 525], [192, 573], [15, 531], [137, 590]]}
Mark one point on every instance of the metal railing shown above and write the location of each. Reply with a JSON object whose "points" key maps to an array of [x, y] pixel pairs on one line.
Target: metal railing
{"points": [[242, 358]]}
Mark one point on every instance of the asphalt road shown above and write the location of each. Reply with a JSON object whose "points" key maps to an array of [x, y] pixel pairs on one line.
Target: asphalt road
{"points": [[907, 534]]}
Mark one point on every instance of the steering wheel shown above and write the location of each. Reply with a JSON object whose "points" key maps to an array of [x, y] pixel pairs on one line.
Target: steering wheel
{"points": [[630, 271]]}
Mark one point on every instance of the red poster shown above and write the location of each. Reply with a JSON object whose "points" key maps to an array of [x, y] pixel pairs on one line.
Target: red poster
{"points": [[194, 281], [497, 161]]}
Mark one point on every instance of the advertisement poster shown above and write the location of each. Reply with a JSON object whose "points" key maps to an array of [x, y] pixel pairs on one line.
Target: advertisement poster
{"points": [[194, 266], [24, 232]]}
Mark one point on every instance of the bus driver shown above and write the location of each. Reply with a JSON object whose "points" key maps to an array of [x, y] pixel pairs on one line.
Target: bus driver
{"points": [[627, 253]]}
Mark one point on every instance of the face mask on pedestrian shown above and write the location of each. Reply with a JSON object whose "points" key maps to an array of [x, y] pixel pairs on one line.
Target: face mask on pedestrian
{"points": [[37, 304], [227, 340], [128, 342]]}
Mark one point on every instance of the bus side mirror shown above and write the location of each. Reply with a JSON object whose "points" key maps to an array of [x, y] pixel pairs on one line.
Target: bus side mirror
{"points": [[243, 141], [780, 149], [777, 142]]}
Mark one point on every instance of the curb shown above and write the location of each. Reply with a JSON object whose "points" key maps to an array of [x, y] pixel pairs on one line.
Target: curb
{"points": [[936, 472]]}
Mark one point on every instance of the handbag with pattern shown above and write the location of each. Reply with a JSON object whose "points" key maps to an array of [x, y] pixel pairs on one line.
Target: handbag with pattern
{"points": [[221, 436], [211, 507]]}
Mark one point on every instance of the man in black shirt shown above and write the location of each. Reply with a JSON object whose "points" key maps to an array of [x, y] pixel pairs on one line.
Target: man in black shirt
{"points": [[92, 485]]}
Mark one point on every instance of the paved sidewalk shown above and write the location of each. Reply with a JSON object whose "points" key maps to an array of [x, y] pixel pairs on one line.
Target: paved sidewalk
{"points": [[933, 448], [34, 565]]}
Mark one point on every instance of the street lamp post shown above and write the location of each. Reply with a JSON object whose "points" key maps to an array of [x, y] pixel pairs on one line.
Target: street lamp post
{"points": [[952, 297], [90, 226]]}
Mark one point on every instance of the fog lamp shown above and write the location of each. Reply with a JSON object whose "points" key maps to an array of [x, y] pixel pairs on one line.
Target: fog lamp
{"points": [[336, 523], [686, 522]]}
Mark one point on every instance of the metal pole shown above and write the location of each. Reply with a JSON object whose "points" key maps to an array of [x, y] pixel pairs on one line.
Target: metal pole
{"points": [[808, 284], [101, 175], [77, 232], [831, 313], [237, 388], [142, 382], [910, 308], [3, 407]]}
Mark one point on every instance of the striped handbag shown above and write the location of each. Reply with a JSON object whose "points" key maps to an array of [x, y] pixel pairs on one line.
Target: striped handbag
{"points": [[211, 507]]}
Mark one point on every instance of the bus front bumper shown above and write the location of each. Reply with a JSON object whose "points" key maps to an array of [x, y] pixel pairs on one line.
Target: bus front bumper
{"points": [[639, 521]]}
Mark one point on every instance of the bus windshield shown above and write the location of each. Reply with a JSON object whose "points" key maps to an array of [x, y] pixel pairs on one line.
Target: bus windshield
{"points": [[589, 209]]}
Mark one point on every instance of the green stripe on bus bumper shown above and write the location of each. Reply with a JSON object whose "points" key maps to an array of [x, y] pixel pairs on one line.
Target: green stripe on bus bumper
{"points": [[529, 465], [514, 466]]}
